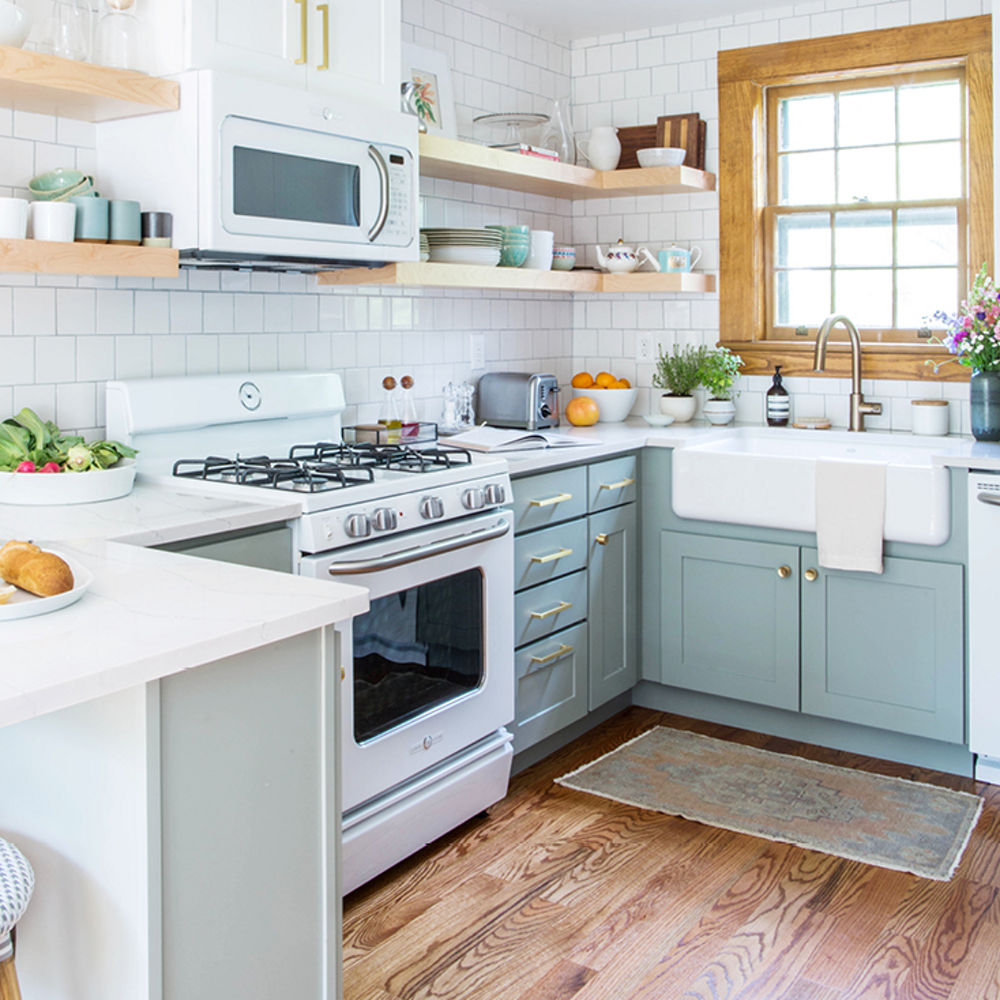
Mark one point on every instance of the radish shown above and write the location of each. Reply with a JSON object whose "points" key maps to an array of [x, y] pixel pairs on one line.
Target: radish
{"points": [[50, 467], [27, 466]]}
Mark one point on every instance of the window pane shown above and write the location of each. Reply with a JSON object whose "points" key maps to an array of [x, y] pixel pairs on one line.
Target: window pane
{"points": [[806, 178], [930, 111], [806, 122], [802, 297], [930, 170], [927, 236], [864, 296], [867, 174], [803, 240], [863, 239], [867, 117], [921, 292]]}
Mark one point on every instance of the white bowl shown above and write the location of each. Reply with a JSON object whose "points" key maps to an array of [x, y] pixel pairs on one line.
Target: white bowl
{"points": [[51, 488], [661, 156], [658, 419], [613, 404]]}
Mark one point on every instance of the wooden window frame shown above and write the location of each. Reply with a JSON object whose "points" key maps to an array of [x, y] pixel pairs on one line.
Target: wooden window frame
{"points": [[744, 76]]}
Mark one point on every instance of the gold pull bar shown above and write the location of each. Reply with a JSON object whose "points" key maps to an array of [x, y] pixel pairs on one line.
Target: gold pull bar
{"points": [[811, 575], [784, 572], [601, 539], [561, 606], [303, 32], [561, 651], [561, 554], [627, 481], [551, 501], [324, 9]]}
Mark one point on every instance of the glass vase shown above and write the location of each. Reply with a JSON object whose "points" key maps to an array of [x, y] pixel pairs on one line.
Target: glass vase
{"points": [[558, 134], [984, 405], [118, 39]]}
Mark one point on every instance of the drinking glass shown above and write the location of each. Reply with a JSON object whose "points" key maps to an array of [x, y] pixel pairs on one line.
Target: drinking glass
{"points": [[70, 30]]}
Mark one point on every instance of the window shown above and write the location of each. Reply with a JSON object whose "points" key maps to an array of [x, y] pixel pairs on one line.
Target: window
{"points": [[855, 177]]}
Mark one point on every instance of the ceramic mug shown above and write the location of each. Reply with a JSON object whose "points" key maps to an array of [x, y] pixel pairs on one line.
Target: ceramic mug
{"points": [[13, 218], [124, 223], [540, 252], [54, 221], [91, 219], [676, 259]]}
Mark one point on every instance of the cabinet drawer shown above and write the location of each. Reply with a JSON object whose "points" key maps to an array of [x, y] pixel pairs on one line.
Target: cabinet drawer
{"points": [[612, 483], [552, 552], [542, 610], [551, 685], [549, 498]]}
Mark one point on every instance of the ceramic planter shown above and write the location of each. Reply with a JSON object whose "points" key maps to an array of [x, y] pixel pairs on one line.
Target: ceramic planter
{"points": [[681, 408], [719, 411], [984, 405]]}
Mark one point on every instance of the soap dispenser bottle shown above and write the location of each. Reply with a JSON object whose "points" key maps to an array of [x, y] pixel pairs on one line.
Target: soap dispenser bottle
{"points": [[779, 403]]}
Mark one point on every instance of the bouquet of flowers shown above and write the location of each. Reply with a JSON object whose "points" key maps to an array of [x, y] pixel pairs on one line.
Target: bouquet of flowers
{"points": [[973, 333]]}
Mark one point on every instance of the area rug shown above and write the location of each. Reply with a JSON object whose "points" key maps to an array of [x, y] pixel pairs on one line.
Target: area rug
{"points": [[889, 822]]}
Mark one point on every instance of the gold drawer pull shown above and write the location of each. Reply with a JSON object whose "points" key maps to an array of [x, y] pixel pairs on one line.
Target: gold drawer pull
{"points": [[561, 651], [784, 572], [324, 9], [303, 31], [601, 539], [561, 606], [561, 554], [551, 501], [627, 481], [811, 575]]}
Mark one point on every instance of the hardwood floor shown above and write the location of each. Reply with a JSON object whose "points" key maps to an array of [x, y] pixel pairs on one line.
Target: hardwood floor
{"points": [[562, 895]]}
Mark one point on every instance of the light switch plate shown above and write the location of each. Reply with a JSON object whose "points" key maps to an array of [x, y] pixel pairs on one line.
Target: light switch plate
{"points": [[644, 349], [477, 351]]}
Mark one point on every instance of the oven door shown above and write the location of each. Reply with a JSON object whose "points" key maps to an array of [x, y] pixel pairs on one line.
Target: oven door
{"points": [[432, 664]]}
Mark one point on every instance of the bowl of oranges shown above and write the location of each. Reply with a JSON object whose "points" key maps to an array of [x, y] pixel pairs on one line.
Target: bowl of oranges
{"points": [[613, 397]]}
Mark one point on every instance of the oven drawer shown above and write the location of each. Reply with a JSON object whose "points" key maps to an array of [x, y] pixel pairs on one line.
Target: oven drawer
{"points": [[550, 607], [612, 483], [549, 553], [551, 685], [549, 498]]}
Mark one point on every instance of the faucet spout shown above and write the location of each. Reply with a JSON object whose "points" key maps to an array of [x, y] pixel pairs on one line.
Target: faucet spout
{"points": [[859, 407]]}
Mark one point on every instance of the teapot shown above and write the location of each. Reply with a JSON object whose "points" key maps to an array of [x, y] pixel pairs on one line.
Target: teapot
{"points": [[621, 259], [676, 259]]}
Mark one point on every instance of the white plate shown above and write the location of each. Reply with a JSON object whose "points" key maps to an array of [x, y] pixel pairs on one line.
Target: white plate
{"points": [[658, 419], [47, 489], [484, 256], [24, 605]]}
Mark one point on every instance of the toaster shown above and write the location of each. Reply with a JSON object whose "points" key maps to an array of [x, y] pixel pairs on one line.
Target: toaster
{"points": [[516, 399]]}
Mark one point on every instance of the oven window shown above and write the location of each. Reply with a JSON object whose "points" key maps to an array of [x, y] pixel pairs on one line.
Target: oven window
{"points": [[281, 186], [417, 649]]}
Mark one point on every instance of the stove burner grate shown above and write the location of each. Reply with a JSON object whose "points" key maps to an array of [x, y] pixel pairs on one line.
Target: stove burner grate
{"points": [[291, 474]]}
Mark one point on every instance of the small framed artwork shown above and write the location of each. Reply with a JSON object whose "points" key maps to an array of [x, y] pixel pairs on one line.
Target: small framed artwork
{"points": [[433, 100]]}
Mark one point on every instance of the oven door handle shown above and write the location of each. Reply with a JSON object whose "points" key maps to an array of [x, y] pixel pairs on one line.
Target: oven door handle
{"points": [[419, 552]]}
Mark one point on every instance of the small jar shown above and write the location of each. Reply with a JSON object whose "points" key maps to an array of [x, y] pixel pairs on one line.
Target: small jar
{"points": [[930, 416]]}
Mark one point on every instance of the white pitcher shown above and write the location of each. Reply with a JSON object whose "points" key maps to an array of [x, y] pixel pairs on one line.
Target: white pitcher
{"points": [[602, 148]]}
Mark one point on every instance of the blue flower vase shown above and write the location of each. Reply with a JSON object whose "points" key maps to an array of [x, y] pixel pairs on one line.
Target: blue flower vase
{"points": [[984, 403]]}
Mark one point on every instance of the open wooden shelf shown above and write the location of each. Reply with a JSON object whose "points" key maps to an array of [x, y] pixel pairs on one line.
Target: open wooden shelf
{"points": [[516, 279], [43, 257], [50, 85], [455, 160]]}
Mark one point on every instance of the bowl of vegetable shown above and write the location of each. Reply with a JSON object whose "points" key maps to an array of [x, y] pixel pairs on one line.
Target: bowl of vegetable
{"points": [[42, 466]]}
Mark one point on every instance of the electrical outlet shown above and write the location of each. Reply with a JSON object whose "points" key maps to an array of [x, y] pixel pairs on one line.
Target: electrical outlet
{"points": [[477, 351], [644, 349]]}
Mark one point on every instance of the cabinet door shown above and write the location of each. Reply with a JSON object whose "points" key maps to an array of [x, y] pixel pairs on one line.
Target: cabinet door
{"points": [[887, 649], [730, 622], [612, 483], [613, 587]]}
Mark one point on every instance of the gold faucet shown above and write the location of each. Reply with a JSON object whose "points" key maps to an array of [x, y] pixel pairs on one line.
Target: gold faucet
{"points": [[858, 405]]}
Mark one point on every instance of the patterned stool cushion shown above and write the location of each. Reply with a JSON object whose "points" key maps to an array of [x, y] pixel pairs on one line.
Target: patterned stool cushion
{"points": [[16, 883]]}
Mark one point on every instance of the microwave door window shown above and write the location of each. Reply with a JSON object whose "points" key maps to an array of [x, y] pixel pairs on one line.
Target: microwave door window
{"points": [[271, 185]]}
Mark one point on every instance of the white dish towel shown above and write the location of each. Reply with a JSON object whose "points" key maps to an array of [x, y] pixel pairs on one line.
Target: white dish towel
{"points": [[850, 514]]}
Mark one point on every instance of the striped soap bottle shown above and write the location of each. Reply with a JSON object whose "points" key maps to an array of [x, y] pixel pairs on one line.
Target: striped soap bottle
{"points": [[779, 403]]}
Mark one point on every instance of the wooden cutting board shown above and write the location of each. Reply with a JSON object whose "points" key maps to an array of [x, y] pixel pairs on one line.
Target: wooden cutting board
{"points": [[682, 132], [633, 138]]}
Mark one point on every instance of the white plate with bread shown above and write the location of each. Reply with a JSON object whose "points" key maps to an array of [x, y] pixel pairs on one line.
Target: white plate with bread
{"points": [[36, 581]]}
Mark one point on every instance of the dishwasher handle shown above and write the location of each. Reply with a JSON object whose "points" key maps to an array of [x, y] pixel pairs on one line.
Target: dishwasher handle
{"points": [[993, 499]]}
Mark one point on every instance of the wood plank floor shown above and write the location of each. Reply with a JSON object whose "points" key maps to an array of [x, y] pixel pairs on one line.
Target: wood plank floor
{"points": [[564, 895]]}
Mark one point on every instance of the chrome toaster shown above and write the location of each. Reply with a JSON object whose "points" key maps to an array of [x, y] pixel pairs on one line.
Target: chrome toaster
{"points": [[516, 399]]}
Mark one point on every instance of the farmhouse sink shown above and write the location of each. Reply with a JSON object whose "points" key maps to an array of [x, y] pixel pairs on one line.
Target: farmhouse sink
{"points": [[766, 477]]}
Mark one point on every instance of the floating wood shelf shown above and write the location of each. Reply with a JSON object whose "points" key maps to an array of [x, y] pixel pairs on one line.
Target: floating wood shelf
{"points": [[43, 257], [516, 279], [455, 160], [49, 85]]}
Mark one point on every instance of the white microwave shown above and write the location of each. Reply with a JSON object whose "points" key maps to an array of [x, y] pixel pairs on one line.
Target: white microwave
{"points": [[261, 175]]}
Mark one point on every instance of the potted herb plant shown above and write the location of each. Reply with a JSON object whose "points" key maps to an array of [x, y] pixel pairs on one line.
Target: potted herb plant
{"points": [[679, 371], [718, 374]]}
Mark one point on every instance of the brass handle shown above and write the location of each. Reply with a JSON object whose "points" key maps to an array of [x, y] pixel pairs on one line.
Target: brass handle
{"points": [[811, 575], [561, 651], [324, 9], [561, 606], [784, 572], [343, 673], [627, 481], [303, 32], [551, 501], [561, 554], [601, 539]]}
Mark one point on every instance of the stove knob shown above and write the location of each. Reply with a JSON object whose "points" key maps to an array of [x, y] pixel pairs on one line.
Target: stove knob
{"points": [[495, 493], [473, 499], [357, 526], [384, 519], [431, 508]]}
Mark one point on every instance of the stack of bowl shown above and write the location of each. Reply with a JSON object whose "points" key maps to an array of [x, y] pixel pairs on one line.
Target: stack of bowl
{"points": [[425, 247], [563, 258], [516, 244], [60, 184]]}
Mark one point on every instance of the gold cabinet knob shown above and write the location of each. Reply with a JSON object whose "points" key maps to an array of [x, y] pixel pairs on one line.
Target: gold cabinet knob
{"points": [[784, 572], [601, 539], [811, 575]]}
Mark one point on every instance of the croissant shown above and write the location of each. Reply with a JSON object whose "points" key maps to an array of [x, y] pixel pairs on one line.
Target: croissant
{"points": [[27, 566]]}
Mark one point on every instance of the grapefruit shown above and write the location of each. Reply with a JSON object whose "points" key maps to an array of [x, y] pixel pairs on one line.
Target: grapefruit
{"points": [[582, 411]]}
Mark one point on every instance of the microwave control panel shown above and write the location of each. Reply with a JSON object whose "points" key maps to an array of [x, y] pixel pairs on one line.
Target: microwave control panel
{"points": [[400, 222]]}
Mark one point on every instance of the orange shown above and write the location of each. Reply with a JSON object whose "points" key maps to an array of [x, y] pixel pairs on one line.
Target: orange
{"points": [[582, 411], [582, 380], [603, 380], [622, 383]]}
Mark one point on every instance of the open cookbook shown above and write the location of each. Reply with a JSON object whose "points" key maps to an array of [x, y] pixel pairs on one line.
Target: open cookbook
{"points": [[504, 439]]}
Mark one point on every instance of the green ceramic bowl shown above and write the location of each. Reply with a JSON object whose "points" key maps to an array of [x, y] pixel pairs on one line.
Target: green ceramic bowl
{"points": [[514, 255], [59, 184]]}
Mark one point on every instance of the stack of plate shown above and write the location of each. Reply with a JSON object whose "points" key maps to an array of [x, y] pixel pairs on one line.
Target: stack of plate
{"points": [[425, 247], [464, 246]]}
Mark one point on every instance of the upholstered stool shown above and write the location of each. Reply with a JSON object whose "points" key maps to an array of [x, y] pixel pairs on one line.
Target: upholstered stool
{"points": [[16, 882]]}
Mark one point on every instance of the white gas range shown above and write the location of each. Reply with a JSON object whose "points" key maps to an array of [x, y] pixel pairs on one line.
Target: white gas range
{"points": [[428, 671]]}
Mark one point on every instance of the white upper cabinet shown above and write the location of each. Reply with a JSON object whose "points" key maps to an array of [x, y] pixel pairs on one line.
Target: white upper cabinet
{"points": [[338, 47]]}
